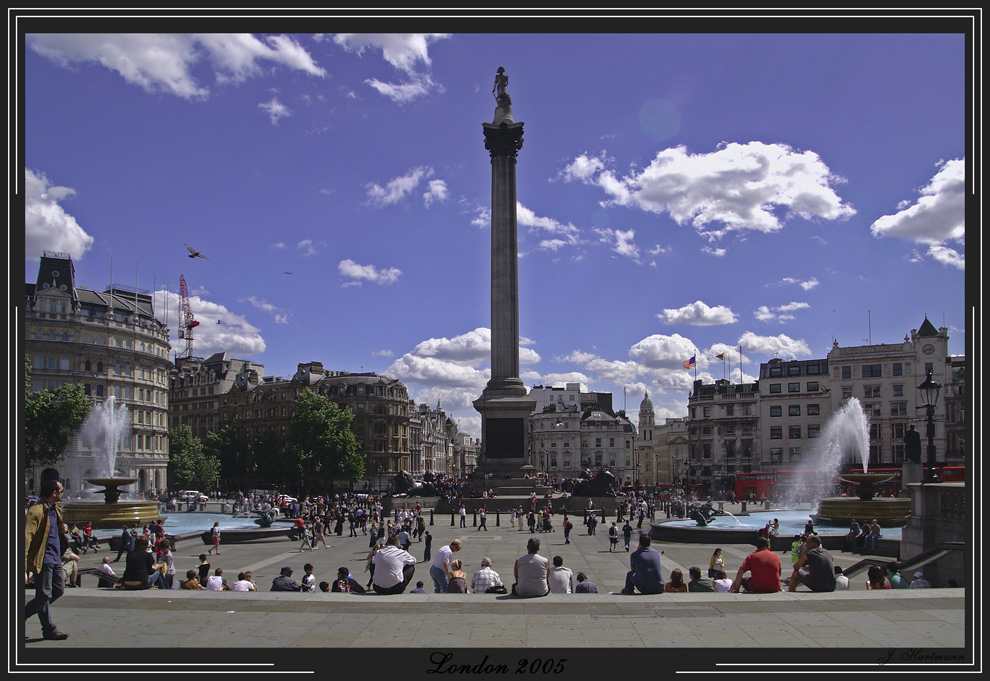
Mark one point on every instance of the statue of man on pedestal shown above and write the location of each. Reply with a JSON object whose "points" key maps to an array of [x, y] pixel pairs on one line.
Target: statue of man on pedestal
{"points": [[501, 82], [912, 445]]}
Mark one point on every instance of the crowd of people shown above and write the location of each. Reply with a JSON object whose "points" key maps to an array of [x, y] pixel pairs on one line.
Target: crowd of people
{"points": [[391, 567]]}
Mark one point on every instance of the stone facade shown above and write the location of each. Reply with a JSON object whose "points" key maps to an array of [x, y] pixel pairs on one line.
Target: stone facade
{"points": [[112, 344], [380, 406], [195, 388]]}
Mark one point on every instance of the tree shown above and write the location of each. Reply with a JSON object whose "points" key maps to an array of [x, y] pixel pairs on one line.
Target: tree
{"points": [[320, 439], [267, 459], [51, 417], [232, 454], [189, 464]]}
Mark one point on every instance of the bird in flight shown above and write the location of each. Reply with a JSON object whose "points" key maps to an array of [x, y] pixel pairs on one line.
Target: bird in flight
{"points": [[285, 272], [193, 253]]}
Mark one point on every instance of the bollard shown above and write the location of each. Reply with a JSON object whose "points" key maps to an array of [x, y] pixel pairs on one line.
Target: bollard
{"points": [[451, 518], [474, 515], [431, 517], [496, 518]]}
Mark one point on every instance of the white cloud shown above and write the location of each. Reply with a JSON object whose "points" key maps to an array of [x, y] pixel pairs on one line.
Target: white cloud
{"points": [[434, 372], [398, 188], [666, 352], [47, 227], [936, 217], [279, 315], [781, 313], [806, 285], [737, 187], [528, 218], [699, 314], [405, 52], [774, 345], [275, 110], [234, 334], [306, 246], [947, 256], [164, 62], [361, 273], [621, 242], [436, 191]]}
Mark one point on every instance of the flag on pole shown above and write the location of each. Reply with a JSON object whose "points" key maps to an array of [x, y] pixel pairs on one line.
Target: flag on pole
{"points": [[722, 356], [688, 363]]}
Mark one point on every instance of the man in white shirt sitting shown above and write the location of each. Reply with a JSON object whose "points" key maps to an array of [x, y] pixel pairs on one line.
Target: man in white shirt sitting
{"points": [[244, 583], [217, 582], [393, 568], [560, 578]]}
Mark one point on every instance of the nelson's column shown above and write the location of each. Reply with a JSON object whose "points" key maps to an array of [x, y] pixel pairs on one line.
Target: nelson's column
{"points": [[504, 404]]}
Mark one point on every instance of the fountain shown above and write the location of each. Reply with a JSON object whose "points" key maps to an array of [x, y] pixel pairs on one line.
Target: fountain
{"points": [[846, 432], [849, 431], [106, 426]]}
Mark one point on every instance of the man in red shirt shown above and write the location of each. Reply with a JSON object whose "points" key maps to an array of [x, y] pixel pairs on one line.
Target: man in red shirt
{"points": [[764, 568]]}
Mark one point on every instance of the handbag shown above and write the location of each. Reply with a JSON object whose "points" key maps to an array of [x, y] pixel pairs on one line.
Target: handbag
{"points": [[498, 589]]}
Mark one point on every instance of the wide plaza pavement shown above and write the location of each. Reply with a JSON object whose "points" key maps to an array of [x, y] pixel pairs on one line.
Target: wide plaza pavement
{"points": [[470, 626]]}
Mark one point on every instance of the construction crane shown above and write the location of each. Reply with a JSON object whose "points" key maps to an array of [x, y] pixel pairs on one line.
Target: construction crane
{"points": [[186, 320]]}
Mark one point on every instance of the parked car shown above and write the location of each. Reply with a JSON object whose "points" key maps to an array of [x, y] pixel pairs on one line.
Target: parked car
{"points": [[193, 496]]}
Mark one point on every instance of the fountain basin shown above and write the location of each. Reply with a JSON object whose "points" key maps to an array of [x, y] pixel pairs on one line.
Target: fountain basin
{"points": [[111, 513], [111, 516], [889, 511]]}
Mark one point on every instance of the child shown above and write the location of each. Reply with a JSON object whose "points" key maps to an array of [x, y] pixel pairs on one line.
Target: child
{"points": [[427, 546], [308, 580]]}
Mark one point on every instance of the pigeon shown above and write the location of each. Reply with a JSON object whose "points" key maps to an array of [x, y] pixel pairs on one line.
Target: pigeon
{"points": [[193, 253]]}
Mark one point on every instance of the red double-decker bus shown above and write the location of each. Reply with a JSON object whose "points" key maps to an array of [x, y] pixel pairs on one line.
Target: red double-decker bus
{"points": [[952, 474], [754, 485]]}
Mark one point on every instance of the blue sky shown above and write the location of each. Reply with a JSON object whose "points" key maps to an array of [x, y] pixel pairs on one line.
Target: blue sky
{"points": [[679, 194]]}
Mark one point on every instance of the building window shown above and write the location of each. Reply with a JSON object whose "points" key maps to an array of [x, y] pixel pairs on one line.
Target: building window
{"points": [[793, 387], [872, 371], [898, 369], [776, 411], [847, 372], [776, 432], [813, 410], [794, 432], [813, 387], [794, 410], [774, 388], [871, 391], [814, 431], [898, 409]]}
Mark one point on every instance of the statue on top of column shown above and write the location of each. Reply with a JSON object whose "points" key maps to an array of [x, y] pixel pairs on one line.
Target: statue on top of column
{"points": [[501, 82]]}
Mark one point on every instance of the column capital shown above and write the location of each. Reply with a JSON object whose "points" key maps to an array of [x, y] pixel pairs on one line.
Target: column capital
{"points": [[503, 139]]}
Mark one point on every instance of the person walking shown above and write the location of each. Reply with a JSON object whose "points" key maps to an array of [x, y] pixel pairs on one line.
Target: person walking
{"points": [[716, 564], [45, 542], [215, 537], [626, 534], [613, 537]]}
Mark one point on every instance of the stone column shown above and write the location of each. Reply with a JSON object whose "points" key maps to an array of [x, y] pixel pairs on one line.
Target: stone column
{"points": [[505, 404]]}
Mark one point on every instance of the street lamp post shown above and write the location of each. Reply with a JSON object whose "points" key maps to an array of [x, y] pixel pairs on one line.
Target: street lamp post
{"points": [[929, 398]]}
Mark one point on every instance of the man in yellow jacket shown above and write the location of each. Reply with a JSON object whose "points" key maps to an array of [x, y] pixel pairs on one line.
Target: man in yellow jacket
{"points": [[45, 541]]}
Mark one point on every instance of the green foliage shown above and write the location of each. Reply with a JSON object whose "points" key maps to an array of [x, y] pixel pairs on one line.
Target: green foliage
{"points": [[50, 419], [232, 454], [190, 465], [321, 435]]}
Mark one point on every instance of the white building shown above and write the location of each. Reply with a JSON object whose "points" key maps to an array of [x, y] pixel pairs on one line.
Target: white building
{"points": [[885, 378]]}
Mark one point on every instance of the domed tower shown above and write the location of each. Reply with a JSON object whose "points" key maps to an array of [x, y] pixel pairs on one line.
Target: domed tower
{"points": [[646, 445]]}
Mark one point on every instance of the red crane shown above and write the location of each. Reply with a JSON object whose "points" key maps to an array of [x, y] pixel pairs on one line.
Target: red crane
{"points": [[186, 320]]}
